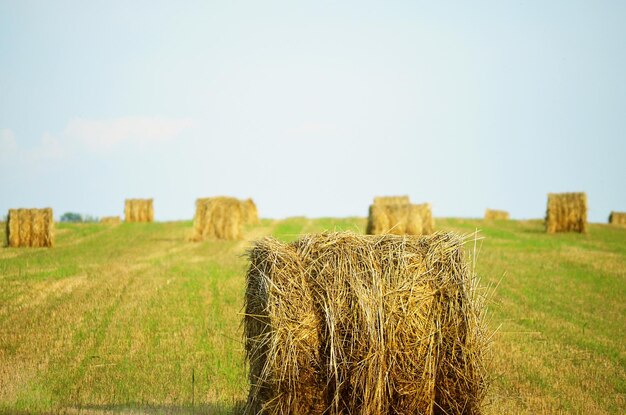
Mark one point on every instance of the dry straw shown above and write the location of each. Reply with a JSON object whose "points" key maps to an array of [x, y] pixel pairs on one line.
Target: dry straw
{"points": [[138, 210], [492, 214], [218, 218], [400, 219], [617, 218], [396, 215], [30, 228], [428, 222], [566, 212], [340, 323], [111, 220], [391, 200], [249, 212]]}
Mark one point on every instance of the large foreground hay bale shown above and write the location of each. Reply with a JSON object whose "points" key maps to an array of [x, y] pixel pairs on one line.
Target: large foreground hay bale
{"points": [[30, 228], [218, 218], [566, 212], [391, 200], [492, 214], [340, 323], [111, 220], [398, 219], [138, 210], [617, 218], [249, 212]]}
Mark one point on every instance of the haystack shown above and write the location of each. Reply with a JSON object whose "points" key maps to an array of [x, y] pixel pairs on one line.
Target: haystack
{"points": [[398, 219], [390, 217], [391, 200], [218, 218], [138, 210], [428, 222], [617, 218], [566, 212], [492, 214], [339, 323], [30, 228], [111, 220], [249, 212]]}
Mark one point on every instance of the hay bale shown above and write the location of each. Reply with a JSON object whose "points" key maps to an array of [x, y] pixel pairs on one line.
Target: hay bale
{"points": [[340, 323], [13, 228], [218, 218], [393, 220], [492, 214], [428, 222], [138, 210], [249, 212], [398, 219], [566, 212], [111, 220], [617, 218], [391, 200], [30, 228]]}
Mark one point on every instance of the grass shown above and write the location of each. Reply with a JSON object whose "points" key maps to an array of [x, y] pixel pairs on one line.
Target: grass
{"points": [[133, 318]]}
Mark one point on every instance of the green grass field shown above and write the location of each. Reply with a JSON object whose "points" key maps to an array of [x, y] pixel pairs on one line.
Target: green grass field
{"points": [[136, 319]]}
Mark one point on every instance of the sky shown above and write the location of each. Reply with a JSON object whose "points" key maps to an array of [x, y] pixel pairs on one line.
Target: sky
{"points": [[312, 107]]}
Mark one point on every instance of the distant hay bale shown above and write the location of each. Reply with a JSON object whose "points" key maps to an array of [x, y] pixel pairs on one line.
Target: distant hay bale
{"points": [[218, 218], [617, 218], [138, 210], [566, 212], [399, 219], [492, 214], [396, 215], [30, 228], [391, 200], [339, 323], [428, 222], [111, 220], [249, 212]]}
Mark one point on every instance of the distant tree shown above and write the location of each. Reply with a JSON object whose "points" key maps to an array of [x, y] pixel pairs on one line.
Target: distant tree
{"points": [[89, 218], [71, 217]]}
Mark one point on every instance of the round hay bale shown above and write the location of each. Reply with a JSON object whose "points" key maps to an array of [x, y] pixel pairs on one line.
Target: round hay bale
{"points": [[340, 323], [397, 219], [566, 212], [492, 214], [30, 228], [218, 218], [617, 218], [138, 210]]}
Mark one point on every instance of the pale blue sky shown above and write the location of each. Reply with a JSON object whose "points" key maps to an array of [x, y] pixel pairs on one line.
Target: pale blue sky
{"points": [[312, 108]]}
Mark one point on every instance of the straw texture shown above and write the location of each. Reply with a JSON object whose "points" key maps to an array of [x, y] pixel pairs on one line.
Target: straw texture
{"points": [[30, 228], [617, 218], [138, 210], [391, 200], [218, 218], [339, 323], [398, 219], [492, 214], [249, 212], [566, 212], [111, 220], [428, 222]]}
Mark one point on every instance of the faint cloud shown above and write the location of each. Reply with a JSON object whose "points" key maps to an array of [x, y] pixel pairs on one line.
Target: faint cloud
{"points": [[99, 135], [80, 135], [50, 147]]}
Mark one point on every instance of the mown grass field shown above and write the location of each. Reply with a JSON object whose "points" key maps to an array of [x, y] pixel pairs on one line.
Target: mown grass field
{"points": [[136, 319]]}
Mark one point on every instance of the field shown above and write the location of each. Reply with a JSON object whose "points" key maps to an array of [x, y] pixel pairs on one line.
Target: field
{"points": [[136, 319]]}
